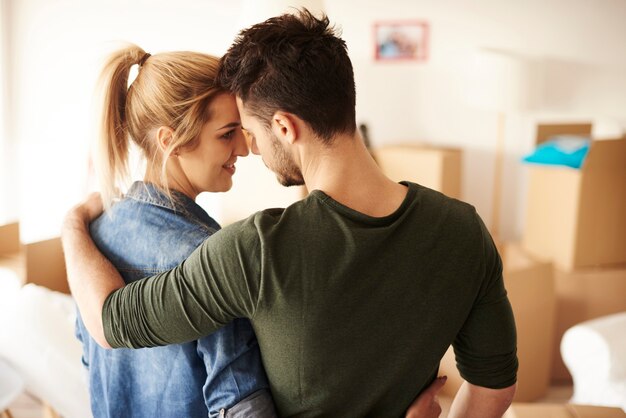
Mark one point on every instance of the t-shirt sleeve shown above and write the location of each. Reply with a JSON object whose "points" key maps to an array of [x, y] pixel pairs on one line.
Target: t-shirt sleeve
{"points": [[217, 283], [486, 346]]}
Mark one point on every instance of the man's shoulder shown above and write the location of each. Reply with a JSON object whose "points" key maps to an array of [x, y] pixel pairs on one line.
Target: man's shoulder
{"points": [[438, 203], [254, 224], [276, 225]]}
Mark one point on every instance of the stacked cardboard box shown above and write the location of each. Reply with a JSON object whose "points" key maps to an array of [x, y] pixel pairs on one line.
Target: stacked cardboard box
{"points": [[11, 254], [434, 167], [576, 219], [40, 262], [45, 265], [529, 281], [9, 239], [571, 264], [582, 295]]}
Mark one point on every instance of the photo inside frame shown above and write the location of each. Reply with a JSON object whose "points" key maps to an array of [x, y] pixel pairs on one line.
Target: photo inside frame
{"points": [[401, 41]]}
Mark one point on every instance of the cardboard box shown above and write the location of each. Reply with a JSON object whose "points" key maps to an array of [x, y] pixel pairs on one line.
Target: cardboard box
{"points": [[433, 167], [583, 295], [45, 265], [10, 238], [576, 217], [539, 410], [530, 288]]}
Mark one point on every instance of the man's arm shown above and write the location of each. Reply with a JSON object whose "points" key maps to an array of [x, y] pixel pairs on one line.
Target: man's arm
{"points": [[473, 401], [486, 346], [83, 260], [217, 283]]}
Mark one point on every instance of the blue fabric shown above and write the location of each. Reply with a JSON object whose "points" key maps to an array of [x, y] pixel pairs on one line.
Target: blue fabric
{"points": [[564, 150], [144, 234]]}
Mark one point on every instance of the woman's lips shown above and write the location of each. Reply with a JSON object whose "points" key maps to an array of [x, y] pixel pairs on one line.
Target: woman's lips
{"points": [[230, 168]]}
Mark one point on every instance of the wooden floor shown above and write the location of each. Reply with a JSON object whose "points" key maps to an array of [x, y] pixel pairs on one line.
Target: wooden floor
{"points": [[27, 406]]}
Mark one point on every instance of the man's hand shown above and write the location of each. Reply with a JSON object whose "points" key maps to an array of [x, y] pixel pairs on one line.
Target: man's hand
{"points": [[91, 276], [85, 212], [426, 405]]}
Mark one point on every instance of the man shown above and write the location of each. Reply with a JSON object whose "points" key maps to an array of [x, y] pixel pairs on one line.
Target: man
{"points": [[355, 292]]}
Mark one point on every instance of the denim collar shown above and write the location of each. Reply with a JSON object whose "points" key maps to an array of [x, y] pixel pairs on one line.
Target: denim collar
{"points": [[150, 193]]}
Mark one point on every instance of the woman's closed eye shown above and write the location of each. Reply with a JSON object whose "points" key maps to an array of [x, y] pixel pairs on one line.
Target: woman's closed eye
{"points": [[229, 135]]}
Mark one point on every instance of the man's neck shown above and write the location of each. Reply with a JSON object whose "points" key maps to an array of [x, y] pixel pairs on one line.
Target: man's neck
{"points": [[347, 172]]}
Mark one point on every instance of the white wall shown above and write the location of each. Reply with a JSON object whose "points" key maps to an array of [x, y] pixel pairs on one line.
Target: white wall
{"points": [[57, 47], [577, 49], [8, 212]]}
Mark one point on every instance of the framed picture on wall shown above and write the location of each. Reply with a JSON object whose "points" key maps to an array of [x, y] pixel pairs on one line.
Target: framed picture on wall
{"points": [[402, 40]]}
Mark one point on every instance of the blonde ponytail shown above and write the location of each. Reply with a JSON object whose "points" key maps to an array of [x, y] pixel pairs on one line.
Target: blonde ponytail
{"points": [[113, 139], [171, 89]]}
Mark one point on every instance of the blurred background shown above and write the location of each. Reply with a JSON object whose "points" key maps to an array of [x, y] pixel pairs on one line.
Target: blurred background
{"points": [[574, 52], [482, 85]]}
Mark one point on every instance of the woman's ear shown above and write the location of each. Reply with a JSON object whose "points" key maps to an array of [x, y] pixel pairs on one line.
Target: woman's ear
{"points": [[285, 126], [164, 135]]}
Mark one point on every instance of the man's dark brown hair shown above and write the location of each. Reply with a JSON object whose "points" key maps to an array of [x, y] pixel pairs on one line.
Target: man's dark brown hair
{"points": [[294, 63]]}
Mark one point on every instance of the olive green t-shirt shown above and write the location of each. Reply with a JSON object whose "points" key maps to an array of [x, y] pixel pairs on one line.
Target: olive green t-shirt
{"points": [[352, 313]]}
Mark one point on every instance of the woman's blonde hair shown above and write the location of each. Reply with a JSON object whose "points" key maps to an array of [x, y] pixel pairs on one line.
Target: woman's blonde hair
{"points": [[172, 89]]}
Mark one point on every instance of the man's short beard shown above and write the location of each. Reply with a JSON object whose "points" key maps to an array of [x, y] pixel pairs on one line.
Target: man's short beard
{"points": [[287, 171]]}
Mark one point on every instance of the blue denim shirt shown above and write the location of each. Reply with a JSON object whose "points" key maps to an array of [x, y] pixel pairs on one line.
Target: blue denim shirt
{"points": [[144, 234]]}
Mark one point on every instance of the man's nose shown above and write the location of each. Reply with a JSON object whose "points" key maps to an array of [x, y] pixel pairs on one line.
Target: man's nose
{"points": [[241, 148], [254, 148]]}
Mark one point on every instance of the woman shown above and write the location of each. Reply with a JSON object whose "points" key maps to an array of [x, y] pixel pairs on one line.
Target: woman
{"points": [[189, 133]]}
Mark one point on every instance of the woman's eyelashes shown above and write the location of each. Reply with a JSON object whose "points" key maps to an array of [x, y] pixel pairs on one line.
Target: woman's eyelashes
{"points": [[229, 135]]}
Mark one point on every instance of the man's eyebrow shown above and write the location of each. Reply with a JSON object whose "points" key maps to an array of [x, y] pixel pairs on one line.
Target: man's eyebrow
{"points": [[230, 125]]}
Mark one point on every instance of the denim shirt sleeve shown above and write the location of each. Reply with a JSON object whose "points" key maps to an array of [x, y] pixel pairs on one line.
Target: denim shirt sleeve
{"points": [[85, 340], [216, 284]]}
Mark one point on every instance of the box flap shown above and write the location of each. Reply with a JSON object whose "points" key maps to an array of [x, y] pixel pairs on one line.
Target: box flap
{"points": [[606, 154], [602, 206], [545, 131]]}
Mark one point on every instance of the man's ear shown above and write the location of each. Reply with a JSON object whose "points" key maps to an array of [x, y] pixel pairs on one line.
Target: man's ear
{"points": [[285, 126], [164, 135]]}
